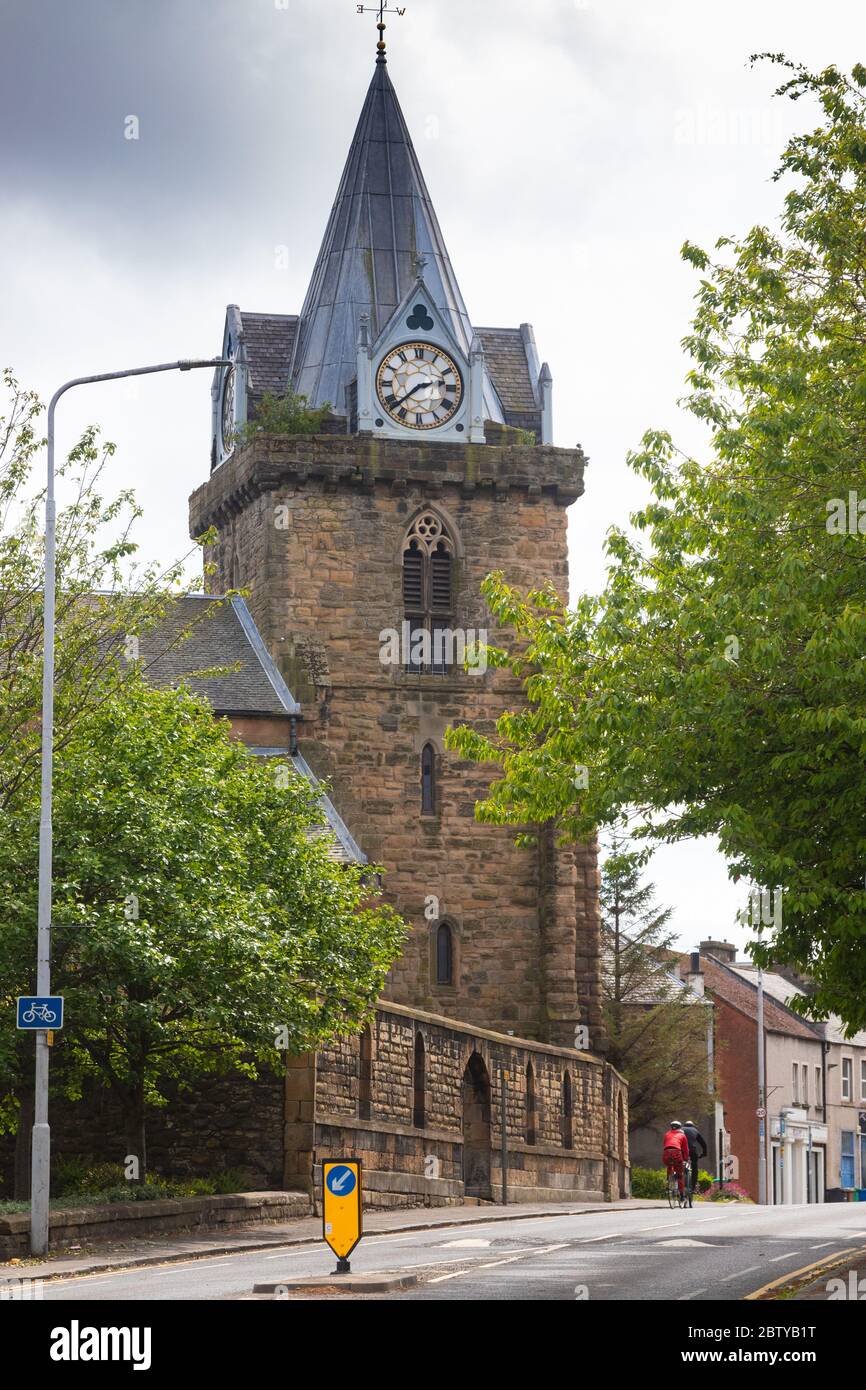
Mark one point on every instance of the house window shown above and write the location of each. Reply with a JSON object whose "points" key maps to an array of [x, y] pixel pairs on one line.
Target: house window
{"points": [[444, 954], [428, 780], [567, 1113], [863, 1079], [847, 1078], [530, 1104], [796, 1078], [365, 1075], [819, 1088], [419, 1104], [805, 1096], [428, 600]]}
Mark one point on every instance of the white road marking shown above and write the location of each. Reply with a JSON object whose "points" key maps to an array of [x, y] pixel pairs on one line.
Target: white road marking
{"points": [[790, 1256], [684, 1297], [729, 1277], [822, 1245]]}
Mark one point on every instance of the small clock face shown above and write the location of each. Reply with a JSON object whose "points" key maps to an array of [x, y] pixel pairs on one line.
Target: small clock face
{"points": [[419, 386], [227, 413]]}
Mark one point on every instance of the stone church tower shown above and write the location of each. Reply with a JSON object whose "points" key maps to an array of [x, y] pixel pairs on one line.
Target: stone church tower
{"points": [[435, 466]]}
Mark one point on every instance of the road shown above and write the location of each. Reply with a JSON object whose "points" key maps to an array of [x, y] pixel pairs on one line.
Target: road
{"points": [[708, 1253]]}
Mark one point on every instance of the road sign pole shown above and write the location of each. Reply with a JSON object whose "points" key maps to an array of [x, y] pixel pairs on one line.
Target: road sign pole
{"points": [[503, 1120]]}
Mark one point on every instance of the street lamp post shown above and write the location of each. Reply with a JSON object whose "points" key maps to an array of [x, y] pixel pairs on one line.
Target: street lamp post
{"points": [[41, 1149], [762, 1098]]}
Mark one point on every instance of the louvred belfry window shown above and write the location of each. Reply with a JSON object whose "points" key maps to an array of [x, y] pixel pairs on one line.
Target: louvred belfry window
{"points": [[428, 594]]}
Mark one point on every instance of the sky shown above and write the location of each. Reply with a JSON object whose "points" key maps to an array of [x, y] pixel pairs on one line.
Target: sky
{"points": [[570, 147]]}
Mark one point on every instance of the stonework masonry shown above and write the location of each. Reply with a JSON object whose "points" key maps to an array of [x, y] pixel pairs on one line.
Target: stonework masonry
{"points": [[571, 1143], [313, 527]]}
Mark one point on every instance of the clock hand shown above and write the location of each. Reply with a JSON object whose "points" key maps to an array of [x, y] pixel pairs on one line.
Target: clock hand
{"points": [[418, 387]]}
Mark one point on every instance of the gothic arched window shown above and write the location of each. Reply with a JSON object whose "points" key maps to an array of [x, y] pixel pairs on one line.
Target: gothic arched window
{"points": [[428, 780], [419, 1106], [567, 1113], [428, 599], [530, 1103], [365, 1074], [444, 954]]}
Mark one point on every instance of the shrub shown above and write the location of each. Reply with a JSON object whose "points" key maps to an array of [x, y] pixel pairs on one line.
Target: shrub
{"points": [[286, 414], [728, 1192], [705, 1180], [648, 1182]]}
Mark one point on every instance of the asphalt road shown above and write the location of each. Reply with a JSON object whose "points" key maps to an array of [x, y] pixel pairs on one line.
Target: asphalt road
{"points": [[708, 1253]]}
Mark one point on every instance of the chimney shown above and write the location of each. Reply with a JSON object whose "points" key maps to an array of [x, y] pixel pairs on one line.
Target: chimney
{"points": [[694, 975], [722, 950]]}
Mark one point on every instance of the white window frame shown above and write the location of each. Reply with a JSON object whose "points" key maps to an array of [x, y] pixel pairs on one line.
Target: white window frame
{"points": [[795, 1066], [846, 1078]]}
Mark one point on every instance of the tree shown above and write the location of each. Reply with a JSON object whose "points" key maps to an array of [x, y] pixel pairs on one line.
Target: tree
{"points": [[717, 686], [657, 1031], [201, 924], [103, 598]]}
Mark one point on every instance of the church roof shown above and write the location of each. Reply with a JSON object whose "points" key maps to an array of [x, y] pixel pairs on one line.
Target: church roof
{"points": [[382, 233], [204, 633]]}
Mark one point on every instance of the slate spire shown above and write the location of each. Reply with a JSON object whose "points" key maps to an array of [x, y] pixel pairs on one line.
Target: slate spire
{"points": [[382, 232]]}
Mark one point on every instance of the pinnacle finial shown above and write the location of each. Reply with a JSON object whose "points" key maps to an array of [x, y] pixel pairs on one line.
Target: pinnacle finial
{"points": [[381, 10]]}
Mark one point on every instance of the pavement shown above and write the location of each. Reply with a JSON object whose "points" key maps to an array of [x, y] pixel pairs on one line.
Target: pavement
{"points": [[629, 1251]]}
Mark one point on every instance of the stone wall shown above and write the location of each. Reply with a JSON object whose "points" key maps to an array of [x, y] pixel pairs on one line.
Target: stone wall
{"points": [[314, 527], [452, 1150]]}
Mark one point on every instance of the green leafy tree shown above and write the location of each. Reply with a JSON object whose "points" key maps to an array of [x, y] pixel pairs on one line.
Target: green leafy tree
{"points": [[657, 1031], [201, 924], [718, 684], [104, 597]]}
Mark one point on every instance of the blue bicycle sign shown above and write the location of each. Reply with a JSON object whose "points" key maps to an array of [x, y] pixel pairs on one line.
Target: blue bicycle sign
{"points": [[40, 1011]]}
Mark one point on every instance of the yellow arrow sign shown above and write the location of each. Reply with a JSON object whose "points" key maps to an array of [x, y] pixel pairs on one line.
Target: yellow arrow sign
{"points": [[341, 1204]]}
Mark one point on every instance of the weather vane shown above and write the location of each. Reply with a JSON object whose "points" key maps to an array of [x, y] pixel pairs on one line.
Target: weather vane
{"points": [[381, 10]]}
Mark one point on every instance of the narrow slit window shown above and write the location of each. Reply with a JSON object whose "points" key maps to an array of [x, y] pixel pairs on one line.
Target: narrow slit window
{"points": [[428, 780], [444, 955]]}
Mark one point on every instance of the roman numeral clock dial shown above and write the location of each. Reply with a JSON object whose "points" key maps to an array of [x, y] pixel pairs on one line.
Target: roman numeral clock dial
{"points": [[419, 386]]}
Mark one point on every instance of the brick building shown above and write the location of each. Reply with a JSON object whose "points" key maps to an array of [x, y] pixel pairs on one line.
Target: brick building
{"points": [[796, 1150], [363, 549]]}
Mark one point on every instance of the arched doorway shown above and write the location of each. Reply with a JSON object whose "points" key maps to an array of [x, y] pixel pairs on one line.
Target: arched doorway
{"points": [[476, 1129]]}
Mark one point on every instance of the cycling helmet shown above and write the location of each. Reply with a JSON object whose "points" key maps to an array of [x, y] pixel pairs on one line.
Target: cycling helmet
{"points": [[675, 1124]]}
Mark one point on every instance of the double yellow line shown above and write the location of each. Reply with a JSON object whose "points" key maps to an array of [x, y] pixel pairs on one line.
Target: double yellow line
{"points": [[816, 1270]]}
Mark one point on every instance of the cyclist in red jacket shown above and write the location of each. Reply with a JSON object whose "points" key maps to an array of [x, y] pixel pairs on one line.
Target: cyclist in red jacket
{"points": [[675, 1152]]}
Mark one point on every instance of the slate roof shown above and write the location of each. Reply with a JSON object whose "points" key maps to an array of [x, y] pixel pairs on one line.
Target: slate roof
{"points": [[220, 634], [742, 994], [382, 220], [269, 340], [509, 367], [831, 1029]]}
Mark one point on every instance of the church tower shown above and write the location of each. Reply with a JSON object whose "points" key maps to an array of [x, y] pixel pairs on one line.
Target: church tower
{"points": [[363, 548]]}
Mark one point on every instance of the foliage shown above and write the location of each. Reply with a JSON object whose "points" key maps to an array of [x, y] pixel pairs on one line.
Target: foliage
{"points": [[649, 1182], [728, 1192], [197, 908], [102, 597], [657, 1033], [717, 686], [289, 413]]}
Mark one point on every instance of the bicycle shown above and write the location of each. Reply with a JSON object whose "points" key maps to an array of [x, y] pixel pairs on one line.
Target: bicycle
{"points": [[675, 1198], [40, 1011]]}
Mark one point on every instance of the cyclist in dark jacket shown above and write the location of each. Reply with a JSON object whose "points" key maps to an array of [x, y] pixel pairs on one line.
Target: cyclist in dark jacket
{"points": [[697, 1148]]}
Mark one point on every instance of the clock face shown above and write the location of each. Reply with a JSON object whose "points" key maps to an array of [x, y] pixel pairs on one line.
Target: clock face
{"points": [[419, 386], [227, 412]]}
